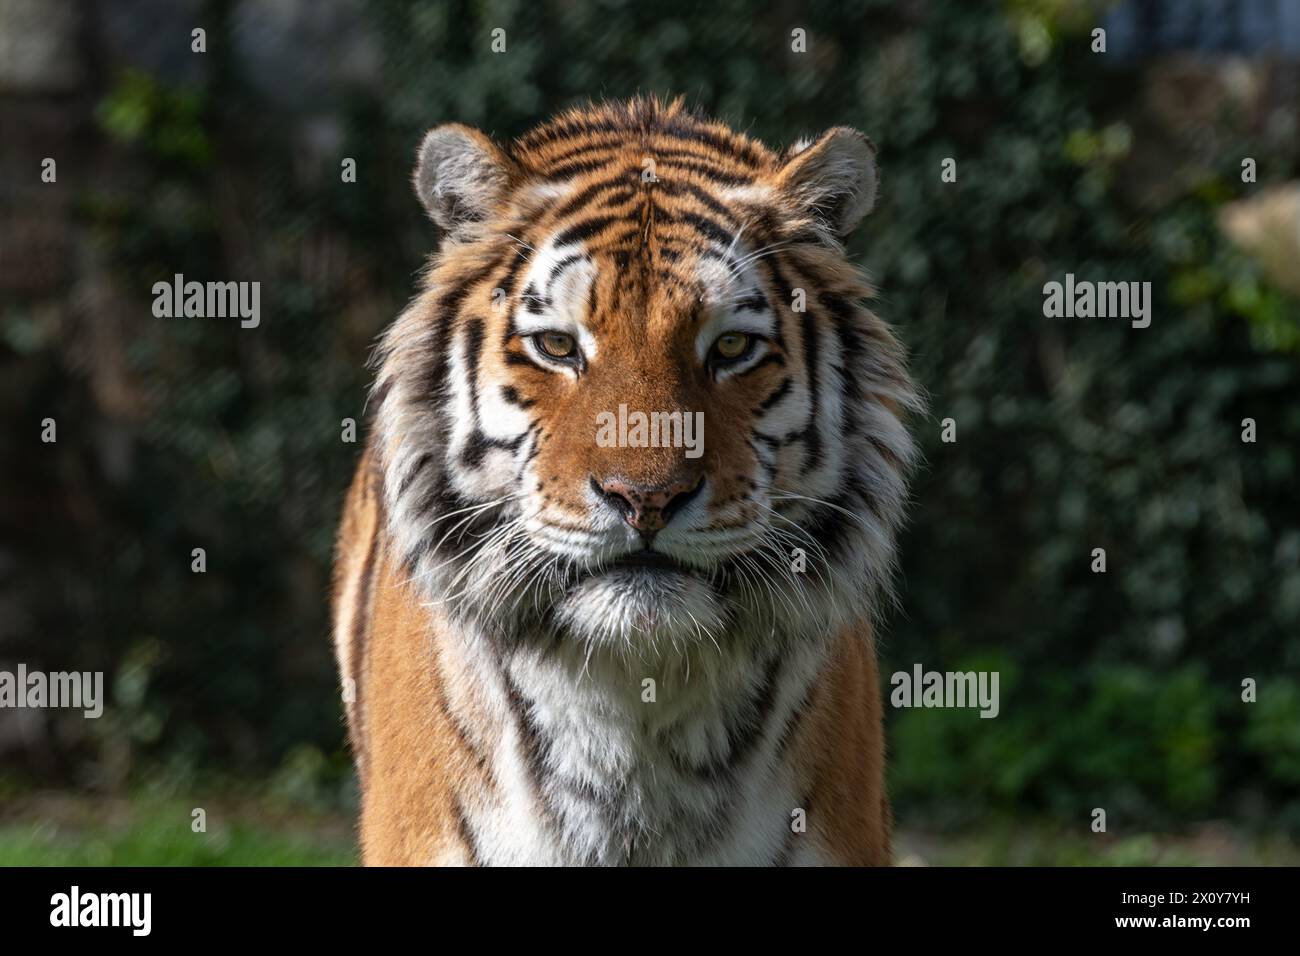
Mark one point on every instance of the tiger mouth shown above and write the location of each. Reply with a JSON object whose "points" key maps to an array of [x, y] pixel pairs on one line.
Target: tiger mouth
{"points": [[653, 562]]}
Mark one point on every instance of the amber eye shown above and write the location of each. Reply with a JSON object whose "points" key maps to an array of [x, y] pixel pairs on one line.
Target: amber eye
{"points": [[732, 345], [557, 344]]}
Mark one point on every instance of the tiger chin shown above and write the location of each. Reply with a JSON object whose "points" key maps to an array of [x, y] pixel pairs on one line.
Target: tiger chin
{"points": [[560, 650]]}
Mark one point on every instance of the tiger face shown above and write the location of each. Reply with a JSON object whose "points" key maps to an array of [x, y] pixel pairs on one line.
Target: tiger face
{"points": [[640, 402]]}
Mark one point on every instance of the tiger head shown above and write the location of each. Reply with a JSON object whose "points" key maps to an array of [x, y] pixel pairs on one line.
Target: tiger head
{"points": [[640, 398]]}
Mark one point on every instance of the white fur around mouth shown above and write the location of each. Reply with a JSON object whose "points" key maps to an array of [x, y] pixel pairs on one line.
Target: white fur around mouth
{"points": [[626, 606]]}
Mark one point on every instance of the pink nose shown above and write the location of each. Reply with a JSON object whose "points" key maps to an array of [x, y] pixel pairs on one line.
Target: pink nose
{"points": [[647, 509]]}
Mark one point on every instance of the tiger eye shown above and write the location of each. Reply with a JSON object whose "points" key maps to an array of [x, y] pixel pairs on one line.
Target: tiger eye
{"points": [[732, 345], [557, 344]]}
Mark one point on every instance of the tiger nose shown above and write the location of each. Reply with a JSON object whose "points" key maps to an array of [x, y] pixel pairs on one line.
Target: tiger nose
{"points": [[647, 509]]}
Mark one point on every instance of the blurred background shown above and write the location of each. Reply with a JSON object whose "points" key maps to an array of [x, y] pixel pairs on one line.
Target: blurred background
{"points": [[1119, 690]]}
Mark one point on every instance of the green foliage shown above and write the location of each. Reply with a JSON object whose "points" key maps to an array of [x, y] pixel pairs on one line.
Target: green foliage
{"points": [[167, 123], [1272, 733], [1119, 737]]}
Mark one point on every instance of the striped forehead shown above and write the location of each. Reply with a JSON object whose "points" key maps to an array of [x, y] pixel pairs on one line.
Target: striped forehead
{"points": [[723, 278], [674, 190], [672, 146]]}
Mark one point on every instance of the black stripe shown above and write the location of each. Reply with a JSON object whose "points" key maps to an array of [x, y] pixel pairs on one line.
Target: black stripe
{"points": [[731, 145], [582, 149], [769, 469], [578, 166], [560, 267], [565, 129], [744, 735], [748, 735], [710, 172], [587, 193], [584, 230], [466, 831], [533, 452], [534, 301], [512, 273], [780, 392], [828, 526], [683, 186], [707, 227], [783, 297], [510, 395], [683, 127], [530, 737], [458, 728], [421, 463], [535, 745], [447, 310], [508, 287], [681, 150], [360, 631], [794, 719], [479, 444], [473, 348], [771, 358], [440, 499], [615, 240], [812, 435]]}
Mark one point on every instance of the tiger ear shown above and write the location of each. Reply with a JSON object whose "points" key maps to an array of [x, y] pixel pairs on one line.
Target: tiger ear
{"points": [[834, 176], [461, 175]]}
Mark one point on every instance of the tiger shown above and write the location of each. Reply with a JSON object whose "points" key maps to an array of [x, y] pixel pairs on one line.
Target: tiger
{"points": [[559, 650]]}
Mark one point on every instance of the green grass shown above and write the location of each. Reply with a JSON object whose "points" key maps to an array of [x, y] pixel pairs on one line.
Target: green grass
{"points": [[60, 828], [1042, 844]]}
